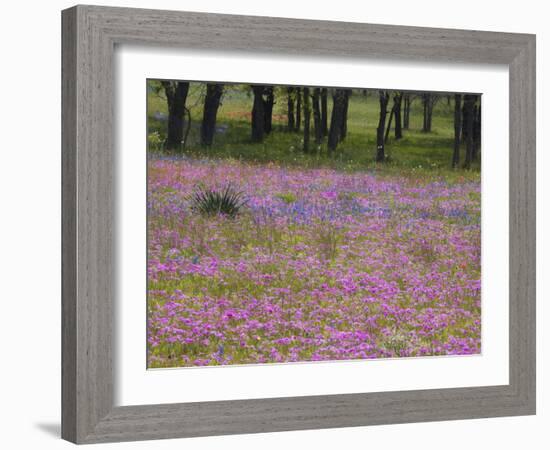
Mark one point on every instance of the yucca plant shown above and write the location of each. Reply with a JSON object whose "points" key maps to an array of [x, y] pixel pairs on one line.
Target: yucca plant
{"points": [[227, 201]]}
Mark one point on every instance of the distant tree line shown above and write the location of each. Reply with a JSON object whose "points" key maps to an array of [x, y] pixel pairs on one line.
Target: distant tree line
{"points": [[307, 113]]}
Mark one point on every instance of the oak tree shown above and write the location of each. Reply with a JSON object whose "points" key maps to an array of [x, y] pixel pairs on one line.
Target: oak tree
{"points": [[210, 111], [384, 98], [176, 96]]}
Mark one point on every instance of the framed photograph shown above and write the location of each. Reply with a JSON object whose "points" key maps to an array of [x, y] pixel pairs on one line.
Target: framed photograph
{"points": [[266, 229]]}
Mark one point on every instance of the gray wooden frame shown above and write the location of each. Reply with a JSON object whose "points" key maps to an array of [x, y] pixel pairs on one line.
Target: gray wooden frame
{"points": [[89, 36]]}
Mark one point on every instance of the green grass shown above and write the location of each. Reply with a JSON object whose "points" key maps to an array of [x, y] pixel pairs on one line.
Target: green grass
{"points": [[417, 151]]}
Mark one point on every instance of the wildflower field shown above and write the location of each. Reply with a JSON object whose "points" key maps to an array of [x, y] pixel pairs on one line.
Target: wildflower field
{"points": [[319, 264]]}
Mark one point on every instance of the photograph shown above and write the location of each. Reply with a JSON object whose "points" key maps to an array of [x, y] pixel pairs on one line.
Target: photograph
{"points": [[303, 223]]}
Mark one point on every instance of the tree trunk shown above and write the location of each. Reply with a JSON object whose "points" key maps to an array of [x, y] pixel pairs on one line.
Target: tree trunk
{"points": [[211, 105], [290, 109], [392, 113], [317, 116], [344, 125], [424, 114], [430, 113], [336, 120], [477, 128], [324, 112], [176, 95], [384, 98], [406, 111], [463, 131], [307, 115], [474, 132], [298, 108], [458, 128], [258, 114], [187, 128], [427, 103], [469, 101], [397, 111], [268, 108]]}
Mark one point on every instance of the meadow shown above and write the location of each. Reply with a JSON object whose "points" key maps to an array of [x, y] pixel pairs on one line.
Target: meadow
{"points": [[321, 265], [326, 258]]}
